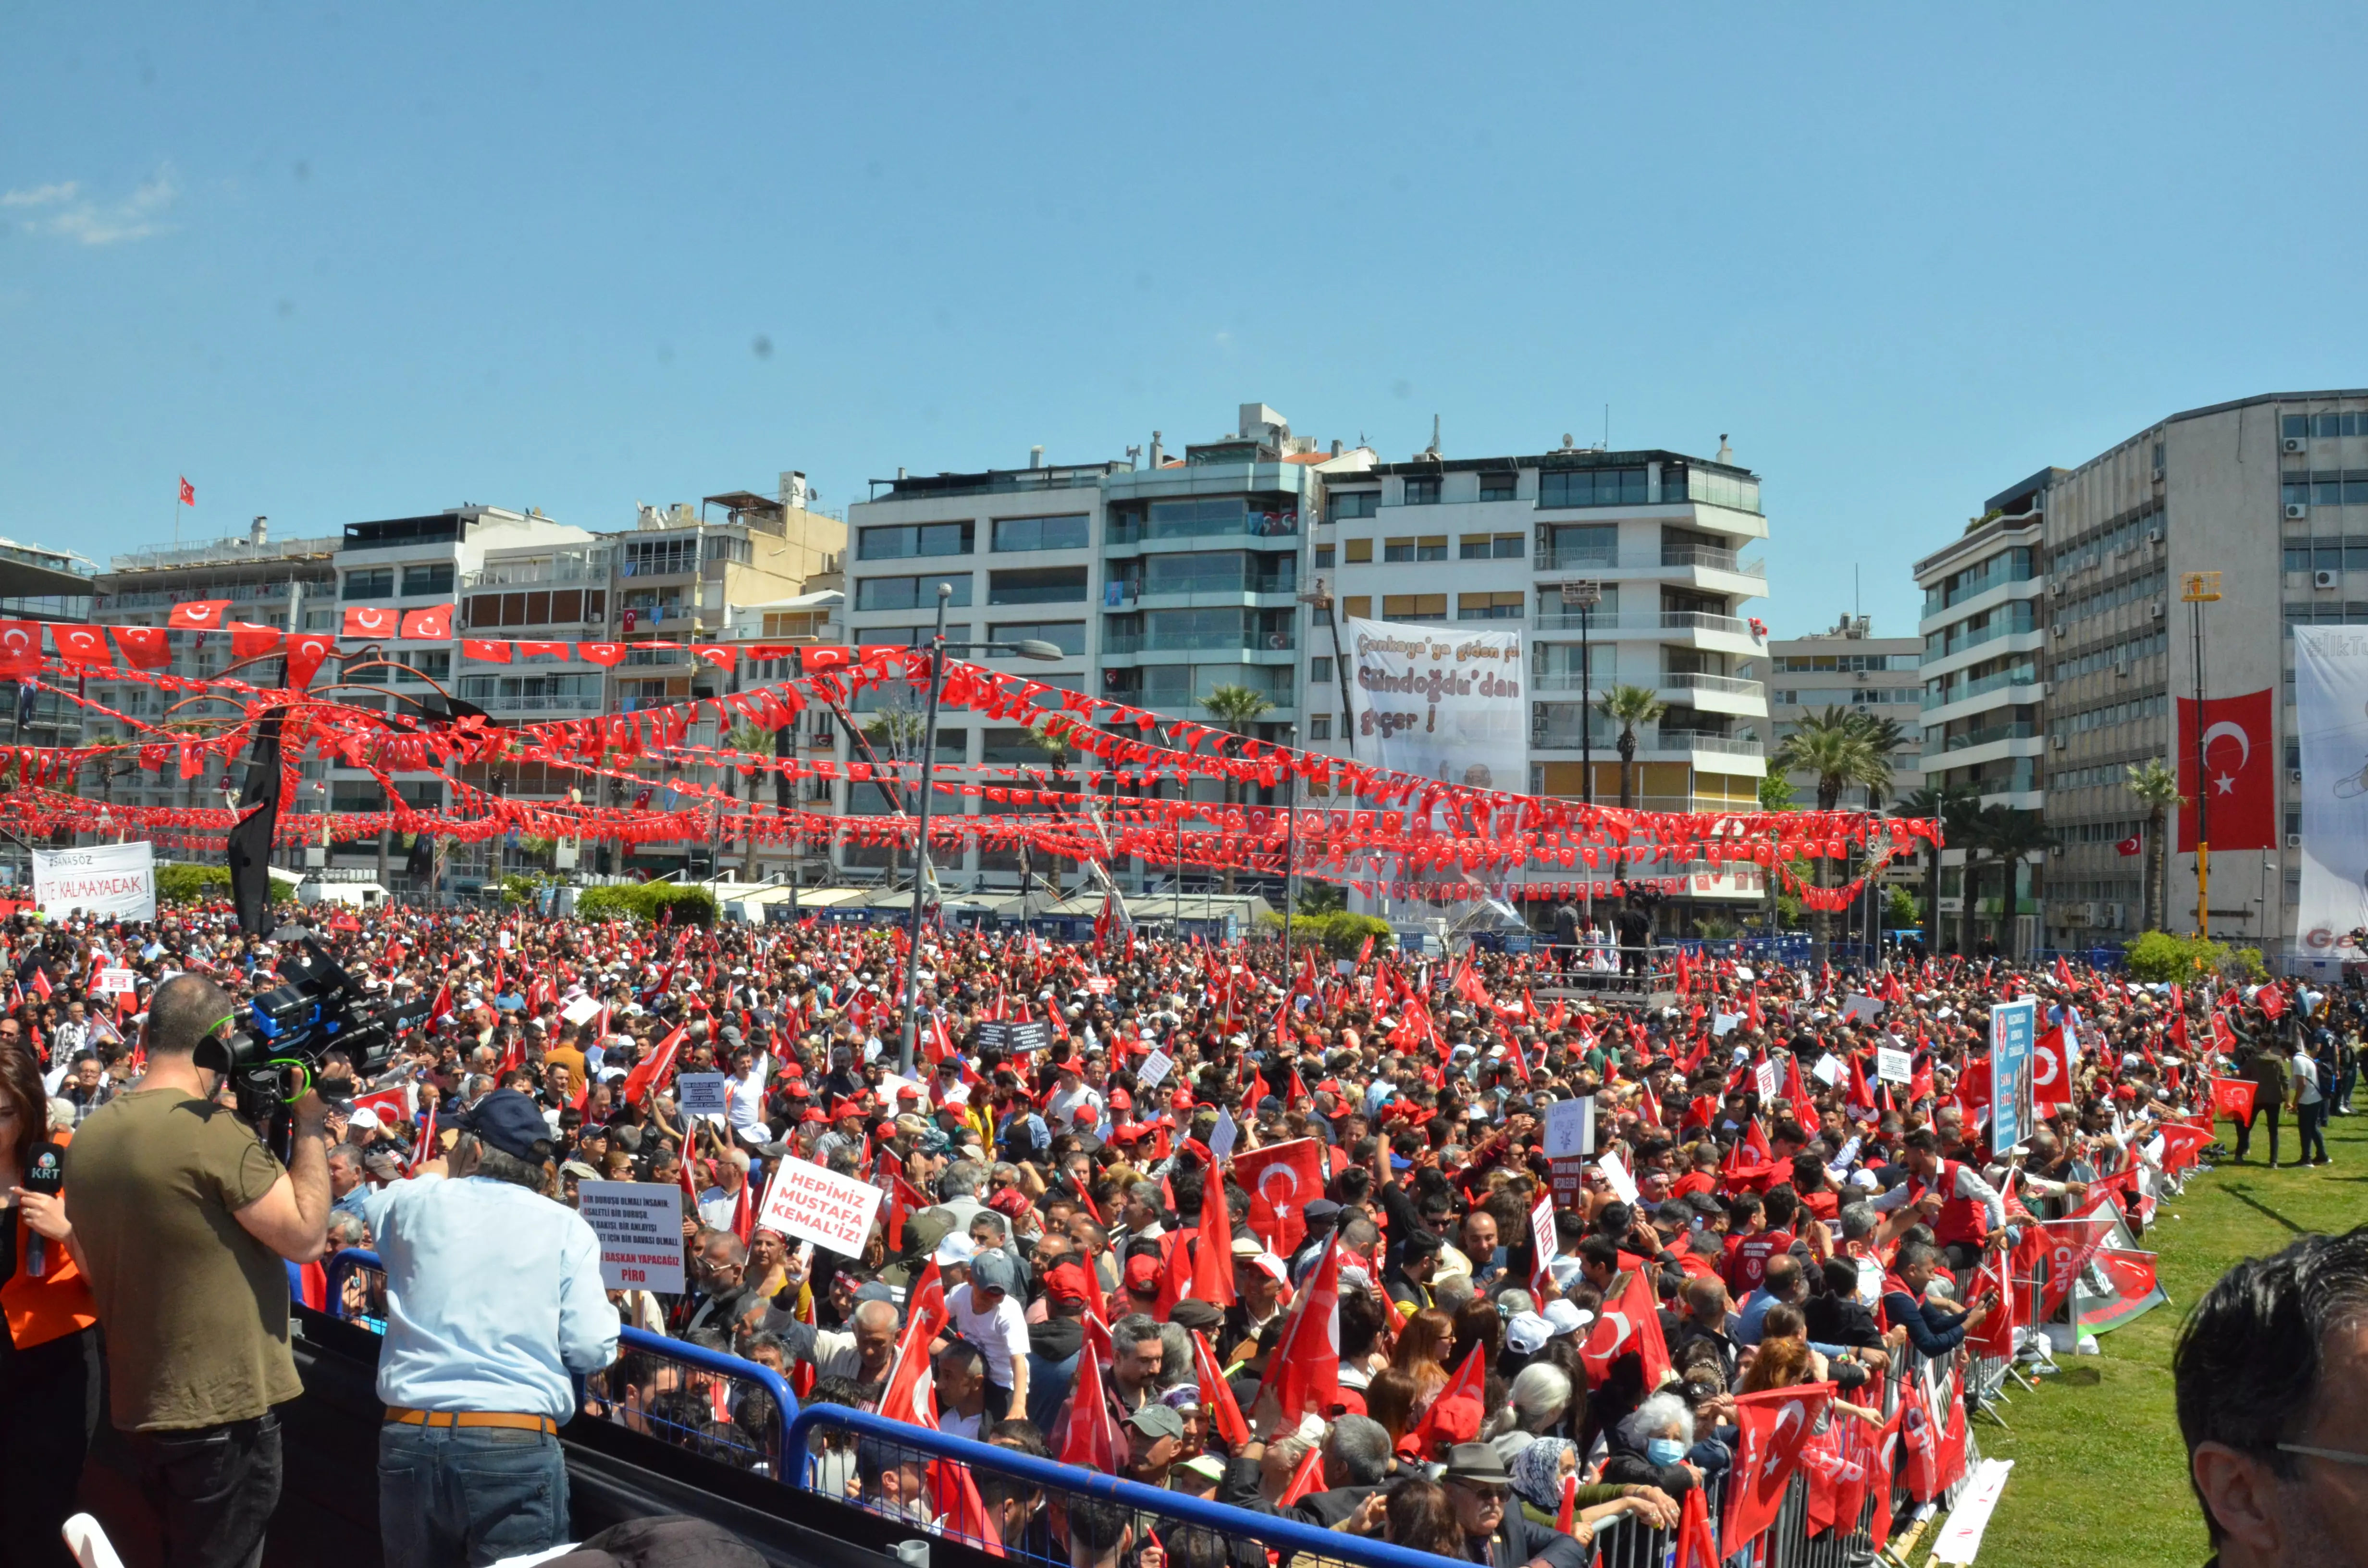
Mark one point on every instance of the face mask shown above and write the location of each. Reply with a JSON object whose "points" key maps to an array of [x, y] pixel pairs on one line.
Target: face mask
{"points": [[1665, 1450]]}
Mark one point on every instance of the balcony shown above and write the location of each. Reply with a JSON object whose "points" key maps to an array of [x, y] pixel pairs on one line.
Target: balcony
{"points": [[1132, 591], [519, 574], [1586, 558], [1121, 642], [1989, 683], [1723, 686], [1639, 622], [1989, 734], [1560, 731], [537, 704], [1276, 525], [1709, 560]]}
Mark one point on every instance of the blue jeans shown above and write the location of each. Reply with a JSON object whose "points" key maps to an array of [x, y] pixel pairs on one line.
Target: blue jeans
{"points": [[470, 1495]]}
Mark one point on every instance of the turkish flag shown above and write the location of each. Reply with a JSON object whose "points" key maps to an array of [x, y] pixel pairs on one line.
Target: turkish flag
{"points": [[910, 1395], [1304, 1370], [542, 649], [1089, 1443], [1697, 1547], [650, 1072], [2051, 1070], [486, 650], [20, 648], [143, 647], [2232, 1099], [198, 615], [1634, 1324], [1283, 1179], [433, 624], [80, 644], [2240, 762], [2133, 845], [189, 492], [390, 1106], [363, 622], [812, 661], [254, 641], [1775, 1422], [715, 653], [961, 1511], [604, 654], [306, 652]]}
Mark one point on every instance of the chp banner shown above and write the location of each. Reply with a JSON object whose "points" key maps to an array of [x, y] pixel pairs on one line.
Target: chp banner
{"points": [[1443, 702], [2240, 763], [2331, 712], [2014, 1032], [108, 881]]}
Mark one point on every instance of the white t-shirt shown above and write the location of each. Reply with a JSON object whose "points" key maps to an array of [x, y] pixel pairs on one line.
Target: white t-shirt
{"points": [[1000, 1335], [2305, 1073]]}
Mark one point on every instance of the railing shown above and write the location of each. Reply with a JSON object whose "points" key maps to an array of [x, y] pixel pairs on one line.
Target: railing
{"points": [[1131, 590], [1561, 680], [1197, 642], [501, 576], [1995, 629], [588, 702], [2022, 730], [1988, 683], [1559, 620], [1578, 557], [1724, 685], [670, 1389], [1253, 525], [224, 553], [1565, 737], [1711, 559]]}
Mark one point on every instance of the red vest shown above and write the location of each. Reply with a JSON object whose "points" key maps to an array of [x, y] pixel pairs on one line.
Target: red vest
{"points": [[1962, 1220]]}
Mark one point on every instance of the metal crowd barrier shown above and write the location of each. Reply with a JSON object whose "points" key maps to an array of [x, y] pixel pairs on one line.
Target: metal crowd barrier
{"points": [[907, 1472], [724, 1408]]}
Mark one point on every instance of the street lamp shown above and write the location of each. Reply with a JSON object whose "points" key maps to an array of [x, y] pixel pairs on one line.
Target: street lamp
{"points": [[2198, 589], [1583, 597], [1026, 648]]}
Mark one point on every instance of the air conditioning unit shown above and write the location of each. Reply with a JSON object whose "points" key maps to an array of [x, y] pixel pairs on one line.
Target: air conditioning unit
{"points": [[2121, 670], [2153, 612], [2078, 913], [2326, 579], [2059, 633], [2294, 840], [2297, 510], [2153, 535], [2294, 775], [2055, 743], [2293, 444], [2055, 590], [2108, 914]]}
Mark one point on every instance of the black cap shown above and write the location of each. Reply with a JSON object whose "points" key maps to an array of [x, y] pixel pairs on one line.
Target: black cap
{"points": [[509, 1121]]}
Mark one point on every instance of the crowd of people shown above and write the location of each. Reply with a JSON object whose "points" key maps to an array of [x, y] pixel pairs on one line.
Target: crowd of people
{"points": [[1544, 1329]]}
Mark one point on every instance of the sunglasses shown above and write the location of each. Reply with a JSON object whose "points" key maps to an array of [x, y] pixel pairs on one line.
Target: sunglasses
{"points": [[1484, 1494]]}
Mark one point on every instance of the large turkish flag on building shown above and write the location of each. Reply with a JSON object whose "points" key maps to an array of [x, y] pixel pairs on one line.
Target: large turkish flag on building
{"points": [[2241, 771]]}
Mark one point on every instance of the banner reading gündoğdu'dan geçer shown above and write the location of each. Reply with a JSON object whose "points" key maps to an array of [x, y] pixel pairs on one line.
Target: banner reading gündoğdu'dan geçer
{"points": [[1442, 702]]}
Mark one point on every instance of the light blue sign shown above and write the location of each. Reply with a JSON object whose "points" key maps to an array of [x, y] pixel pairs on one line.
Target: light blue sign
{"points": [[2014, 1031]]}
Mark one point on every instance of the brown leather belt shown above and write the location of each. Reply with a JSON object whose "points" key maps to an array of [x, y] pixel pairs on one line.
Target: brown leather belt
{"points": [[399, 1416]]}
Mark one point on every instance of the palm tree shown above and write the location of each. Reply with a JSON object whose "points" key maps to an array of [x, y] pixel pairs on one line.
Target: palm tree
{"points": [[895, 735], [1629, 706], [1775, 795], [1836, 748], [756, 741], [1950, 806], [1235, 708], [2157, 786], [2008, 837]]}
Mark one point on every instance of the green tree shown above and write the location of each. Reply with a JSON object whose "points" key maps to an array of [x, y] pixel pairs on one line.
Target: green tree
{"points": [[1838, 749], [1629, 706], [1235, 709], [2157, 786]]}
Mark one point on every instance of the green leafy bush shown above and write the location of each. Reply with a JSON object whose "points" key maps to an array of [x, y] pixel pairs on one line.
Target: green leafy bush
{"points": [[179, 883], [644, 901], [2158, 956], [1339, 934]]}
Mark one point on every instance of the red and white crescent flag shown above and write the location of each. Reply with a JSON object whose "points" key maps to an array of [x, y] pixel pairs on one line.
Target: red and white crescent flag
{"points": [[361, 620], [305, 652], [20, 648], [1775, 1422], [433, 624], [80, 644], [188, 491], [485, 650], [198, 615], [254, 641], [1283, 1179], [1304, 1370], [604, 654], [143, 647], [2241, 761]]}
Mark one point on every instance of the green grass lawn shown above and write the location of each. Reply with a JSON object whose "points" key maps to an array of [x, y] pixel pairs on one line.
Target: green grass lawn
{"points": [[2100, 1473]]}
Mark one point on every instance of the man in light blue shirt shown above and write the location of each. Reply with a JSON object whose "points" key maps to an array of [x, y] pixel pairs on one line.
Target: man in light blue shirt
{"points": [[494, 1297]]}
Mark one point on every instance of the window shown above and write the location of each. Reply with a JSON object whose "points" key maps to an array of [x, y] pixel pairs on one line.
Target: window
{"points": [[1577, 544], [1414, 607], [910, 593], [1069, 636], [1398, 549], [1319, 671], [420, 581], [564, 606], [1354, 503], [1319, 727], [1324, 557], [1065, 532], [1358, 607], [911, 541], [1036, 585], [909, 636], [659, 557], [1488, 607], [1432, 547], [378, 583], [435, 666], [1498, 486], [1422, 492], [1357, 551], [1591, 487], [1489, 547], [318, 619]]}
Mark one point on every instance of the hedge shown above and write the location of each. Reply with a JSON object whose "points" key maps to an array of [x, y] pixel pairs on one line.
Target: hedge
{"points": [[644, 901], [180, 883], [1341, 933]]}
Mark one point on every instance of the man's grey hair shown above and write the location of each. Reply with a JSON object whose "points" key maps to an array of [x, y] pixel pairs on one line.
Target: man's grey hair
{"points": [[1654, 1416], [1176, 1366], [961, 1179], [1147, 1194], [1362, 1446], [347, 1153], [1132, 1330], [345, 1228], [1859, 1221], [868, 1314], [1451, 1295]]}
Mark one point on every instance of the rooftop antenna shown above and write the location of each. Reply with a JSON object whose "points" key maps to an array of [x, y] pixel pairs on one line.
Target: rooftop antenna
{"points": [[1433, 449], [1607, 429]]}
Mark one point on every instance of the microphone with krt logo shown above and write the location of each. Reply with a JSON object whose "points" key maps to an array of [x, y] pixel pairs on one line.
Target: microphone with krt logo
{"points": [[45, 1173]]}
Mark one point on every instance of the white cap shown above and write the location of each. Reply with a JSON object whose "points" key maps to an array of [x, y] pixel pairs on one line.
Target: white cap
{"points": [[364, 1119], [1565, 1317], [1528, 1333], [954, 1248]]}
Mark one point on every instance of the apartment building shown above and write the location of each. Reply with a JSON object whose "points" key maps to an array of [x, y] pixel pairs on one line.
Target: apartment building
{"points": [[38, 583], [1851, 669]]}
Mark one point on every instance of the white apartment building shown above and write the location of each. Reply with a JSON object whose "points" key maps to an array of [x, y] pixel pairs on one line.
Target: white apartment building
{"points": [[1853, 669]]}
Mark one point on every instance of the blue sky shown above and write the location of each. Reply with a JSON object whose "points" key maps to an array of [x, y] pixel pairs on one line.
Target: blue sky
{"points": [[344, 263]]}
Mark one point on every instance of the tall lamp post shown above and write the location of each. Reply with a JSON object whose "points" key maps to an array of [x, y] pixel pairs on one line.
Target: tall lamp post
{"points": [[1289, 844], [2196, 590], [1026, 648], [1583, 597]]}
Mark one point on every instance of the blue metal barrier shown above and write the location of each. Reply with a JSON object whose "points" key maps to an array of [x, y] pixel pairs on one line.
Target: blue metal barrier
{"points": [[1285, 1536], [624, 1406]]}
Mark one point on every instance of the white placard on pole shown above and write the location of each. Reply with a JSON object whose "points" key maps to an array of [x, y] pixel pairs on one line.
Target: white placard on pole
{"points": [[583, 1010], [1894, 1066], [1570, 1128], [1616, 1173], [1221, 1139], [1828, 1070], [808, 1203], [1857, 1006], [116, 981], [1763, 1077], [1155, 1070], [1724, 1024], [640, 1227], [699, 1094]]}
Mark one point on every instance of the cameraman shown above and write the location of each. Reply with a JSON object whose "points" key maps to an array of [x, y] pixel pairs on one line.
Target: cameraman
{"points": [[494, 1297], [181, 1218]]}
